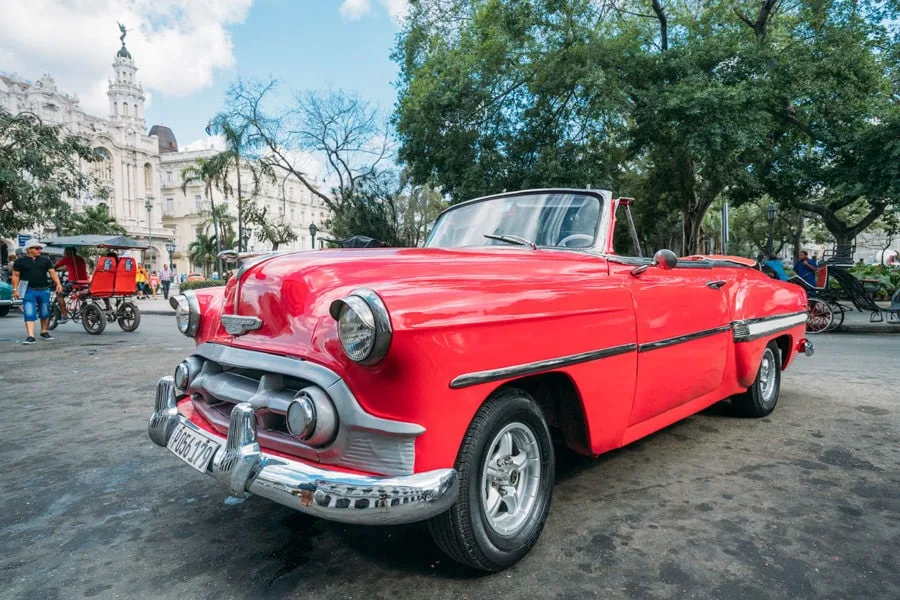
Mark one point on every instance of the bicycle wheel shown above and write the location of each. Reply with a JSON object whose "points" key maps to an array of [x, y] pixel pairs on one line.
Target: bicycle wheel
{"points": [[820, 316], [93, 319], [55, 316], [838, 316]]}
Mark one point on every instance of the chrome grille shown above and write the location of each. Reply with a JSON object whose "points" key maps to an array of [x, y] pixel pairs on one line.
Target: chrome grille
{"points": [[269, 382]]}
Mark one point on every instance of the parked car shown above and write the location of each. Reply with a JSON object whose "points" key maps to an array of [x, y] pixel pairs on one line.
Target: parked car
{"points": [[6, 299], [394, 385], [195, 277]]}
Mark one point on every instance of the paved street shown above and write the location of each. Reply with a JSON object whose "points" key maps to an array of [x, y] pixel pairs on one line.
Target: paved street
{"points": [[803, 504]]}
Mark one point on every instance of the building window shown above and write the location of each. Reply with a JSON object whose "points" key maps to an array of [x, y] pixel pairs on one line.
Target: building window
{"points": [[102, 167], [148, 177], [125, 109], [170, 206], [168, 177], [198, 202]]}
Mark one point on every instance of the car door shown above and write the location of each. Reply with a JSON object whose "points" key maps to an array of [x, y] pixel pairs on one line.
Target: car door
{"points": [[683, 333]]}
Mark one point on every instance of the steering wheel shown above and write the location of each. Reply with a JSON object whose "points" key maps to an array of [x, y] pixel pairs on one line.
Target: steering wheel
{"points": [[575, 236]]}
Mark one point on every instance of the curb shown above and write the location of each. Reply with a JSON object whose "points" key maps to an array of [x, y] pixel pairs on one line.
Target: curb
{"points": [[886, 329], [164, 313]]}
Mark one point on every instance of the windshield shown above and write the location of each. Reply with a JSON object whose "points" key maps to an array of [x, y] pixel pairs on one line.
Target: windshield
{"points": [[556, 219]]}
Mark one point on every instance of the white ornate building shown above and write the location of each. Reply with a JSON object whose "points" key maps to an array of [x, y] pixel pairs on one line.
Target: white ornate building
{"points": [[139, 170]]}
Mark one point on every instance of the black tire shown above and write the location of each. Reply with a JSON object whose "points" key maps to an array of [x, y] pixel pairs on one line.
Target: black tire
{"points": [[760, 399], [55, 316], [4, 310], [93, 318], [129, 316], [465, 532]]}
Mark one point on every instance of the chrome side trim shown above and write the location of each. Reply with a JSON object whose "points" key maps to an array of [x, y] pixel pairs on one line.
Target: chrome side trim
{"points": [[241, 467], [680, 339], [748, 330], [469, 379]]}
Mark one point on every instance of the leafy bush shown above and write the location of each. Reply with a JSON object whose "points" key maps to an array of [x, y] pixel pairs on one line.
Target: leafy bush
{"points": [[201, 283], [888, 277]]}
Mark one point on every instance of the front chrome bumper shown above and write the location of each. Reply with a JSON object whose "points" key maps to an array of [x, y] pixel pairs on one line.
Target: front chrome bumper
{"points": [[242, 468]]}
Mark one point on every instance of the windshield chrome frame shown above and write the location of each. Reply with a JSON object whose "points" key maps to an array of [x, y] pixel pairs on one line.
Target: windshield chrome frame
{"points": [[600, 237]]}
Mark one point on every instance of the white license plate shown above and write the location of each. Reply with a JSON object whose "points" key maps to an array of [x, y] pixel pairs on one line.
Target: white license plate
{"points": [[196, 448]]}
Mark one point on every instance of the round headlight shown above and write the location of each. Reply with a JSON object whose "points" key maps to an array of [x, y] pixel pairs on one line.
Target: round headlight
{"points": [[364, 326], [187, 313], [356, 328]]}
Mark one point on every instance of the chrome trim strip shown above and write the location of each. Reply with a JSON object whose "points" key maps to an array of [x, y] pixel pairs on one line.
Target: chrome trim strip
{"points": [[241, 467], [748, 330], [469, 379], [680, 339]]}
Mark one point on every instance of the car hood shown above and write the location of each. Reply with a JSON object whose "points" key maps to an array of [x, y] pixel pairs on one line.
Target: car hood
{"points": [[291, 293]]}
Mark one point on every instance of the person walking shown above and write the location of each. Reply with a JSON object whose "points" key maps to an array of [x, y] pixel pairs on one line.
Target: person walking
{"points": [[32, 273], [165, 280], [140, 279], [154, 283]]}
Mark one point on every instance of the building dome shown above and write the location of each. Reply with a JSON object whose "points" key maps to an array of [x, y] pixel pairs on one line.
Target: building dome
{"points": [[123, 52], [167, 141]]}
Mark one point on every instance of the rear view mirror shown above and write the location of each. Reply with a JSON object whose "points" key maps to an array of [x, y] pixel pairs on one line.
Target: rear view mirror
{"points": [[663, 259]]}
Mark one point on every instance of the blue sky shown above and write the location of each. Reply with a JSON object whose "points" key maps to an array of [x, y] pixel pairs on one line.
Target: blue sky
{"points": [[303, 44]]}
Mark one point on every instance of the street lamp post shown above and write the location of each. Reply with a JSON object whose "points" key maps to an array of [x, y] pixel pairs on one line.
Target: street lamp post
{"points": [[149, 206], [170, 248], [312, 232], [770, 247]]}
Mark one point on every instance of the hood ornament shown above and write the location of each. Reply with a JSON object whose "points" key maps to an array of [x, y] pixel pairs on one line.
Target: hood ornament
{"points": [[240, 324]]}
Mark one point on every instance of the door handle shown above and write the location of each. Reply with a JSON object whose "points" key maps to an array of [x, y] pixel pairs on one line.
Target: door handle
{"points": [[716, 284]]}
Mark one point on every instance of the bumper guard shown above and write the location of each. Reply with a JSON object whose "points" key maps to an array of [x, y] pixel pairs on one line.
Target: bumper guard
{"points": [[242, 468]]}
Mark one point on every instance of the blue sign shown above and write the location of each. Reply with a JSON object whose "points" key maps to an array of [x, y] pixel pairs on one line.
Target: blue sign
{"points": [[23, 239]]}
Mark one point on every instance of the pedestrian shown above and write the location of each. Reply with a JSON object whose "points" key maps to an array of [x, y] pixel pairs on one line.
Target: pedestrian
{"points": [[806, 268], [775, 264], [32, 284], [154, 283], [165, 279], [140, 280]]}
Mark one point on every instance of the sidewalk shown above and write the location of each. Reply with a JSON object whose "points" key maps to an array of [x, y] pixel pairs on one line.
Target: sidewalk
{"points": [[156, 306]]}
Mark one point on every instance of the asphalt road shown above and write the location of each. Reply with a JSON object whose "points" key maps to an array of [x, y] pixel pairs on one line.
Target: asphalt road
{"points": [[803, 504]]}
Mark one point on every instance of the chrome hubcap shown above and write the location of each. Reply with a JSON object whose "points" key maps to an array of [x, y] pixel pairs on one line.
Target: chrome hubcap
{"points": [[510, 478], [767, 376]]}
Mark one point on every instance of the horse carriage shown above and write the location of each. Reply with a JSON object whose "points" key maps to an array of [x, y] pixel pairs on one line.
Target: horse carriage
{"points": [[105, 297]]}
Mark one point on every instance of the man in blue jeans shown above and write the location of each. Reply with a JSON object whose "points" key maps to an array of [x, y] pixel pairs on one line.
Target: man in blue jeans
{"points": [[36, 271]]}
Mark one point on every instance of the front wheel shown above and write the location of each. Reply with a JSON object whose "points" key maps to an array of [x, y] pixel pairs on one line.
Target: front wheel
{"points": [[93, 319], [129, 316], [506, 470], [761, 398], [55, 316]]}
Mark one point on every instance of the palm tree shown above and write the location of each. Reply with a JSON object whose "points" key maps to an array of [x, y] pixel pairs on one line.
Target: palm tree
{"points": [[212, 172], [225, 220], [202, 251], [96, 220]]}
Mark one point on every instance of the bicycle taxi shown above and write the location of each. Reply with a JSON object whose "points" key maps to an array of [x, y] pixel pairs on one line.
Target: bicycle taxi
{"points": [[106, 296]]}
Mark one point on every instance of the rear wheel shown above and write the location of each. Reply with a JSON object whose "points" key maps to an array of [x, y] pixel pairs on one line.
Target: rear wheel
{"points": [[129, 316], [761, 398], [506, 471], [820, 316], [93, 319]]}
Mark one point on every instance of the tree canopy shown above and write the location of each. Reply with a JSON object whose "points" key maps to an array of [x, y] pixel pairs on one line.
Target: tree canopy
{"points": [[676, 103]]}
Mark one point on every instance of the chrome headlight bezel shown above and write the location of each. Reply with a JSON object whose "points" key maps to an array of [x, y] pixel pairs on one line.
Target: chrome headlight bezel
{"points": [[187, 313], [368, 307]]}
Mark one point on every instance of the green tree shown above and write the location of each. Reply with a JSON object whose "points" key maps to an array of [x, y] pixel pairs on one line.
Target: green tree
{"points": [[203, 251], [267, 230], [40, 166], [95, 220], [212, 173]]}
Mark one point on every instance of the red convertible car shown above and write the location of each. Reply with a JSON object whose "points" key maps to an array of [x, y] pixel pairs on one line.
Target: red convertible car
{"points": [[384, 386]]}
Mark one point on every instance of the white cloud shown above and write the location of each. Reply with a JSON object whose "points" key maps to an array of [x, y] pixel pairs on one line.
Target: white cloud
{"points": [[397, 9], [210, 142], [354, 10], [177, 45]]}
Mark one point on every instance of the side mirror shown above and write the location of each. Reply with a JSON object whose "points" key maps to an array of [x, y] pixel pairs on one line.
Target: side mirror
{"points": [[663, 259]]}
